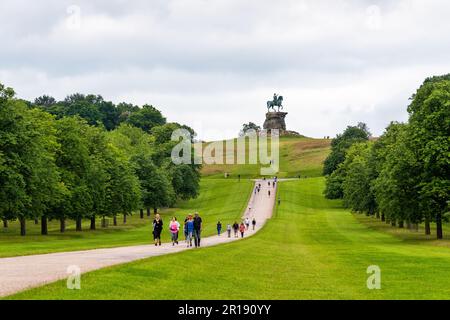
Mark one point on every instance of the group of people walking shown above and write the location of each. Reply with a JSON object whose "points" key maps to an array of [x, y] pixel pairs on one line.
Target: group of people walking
{"points": [[193, 228], [193, 225], [237, 228]]}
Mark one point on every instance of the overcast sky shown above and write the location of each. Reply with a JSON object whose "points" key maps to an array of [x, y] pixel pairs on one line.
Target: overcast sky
{"points": [[213, 64]]}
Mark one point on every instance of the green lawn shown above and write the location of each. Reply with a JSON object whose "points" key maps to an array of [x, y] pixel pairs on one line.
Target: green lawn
{"points": [[219, 199], [311, 249]]}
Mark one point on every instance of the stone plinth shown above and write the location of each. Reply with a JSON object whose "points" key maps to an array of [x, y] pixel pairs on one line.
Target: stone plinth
{"points": [[275, 120]]}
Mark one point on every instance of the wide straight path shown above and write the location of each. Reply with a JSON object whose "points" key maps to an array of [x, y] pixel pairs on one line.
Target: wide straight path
{"points": [[20, 273]]}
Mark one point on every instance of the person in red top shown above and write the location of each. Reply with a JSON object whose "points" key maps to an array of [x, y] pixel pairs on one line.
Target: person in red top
{"points": [[242, 229]]}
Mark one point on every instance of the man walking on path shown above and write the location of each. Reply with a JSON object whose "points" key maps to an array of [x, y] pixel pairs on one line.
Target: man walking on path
{"points": [[268, 192], [254, 223], [197, 229], [219, 228], [236, 229]]}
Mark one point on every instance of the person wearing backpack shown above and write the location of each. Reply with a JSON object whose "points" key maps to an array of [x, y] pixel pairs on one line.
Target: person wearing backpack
{"points": [[174, 228]]}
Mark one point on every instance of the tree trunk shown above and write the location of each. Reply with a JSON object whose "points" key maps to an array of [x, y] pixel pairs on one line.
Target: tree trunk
{"points": [[5, 223], [62, 225], [439, 226], [78, 228], [427, 227], [141, 212], [155, 210], [393, 223], [36, 221], [22, 226], [115, 220], [124, 218], [93, 223], [401, 224], [44, 225], [409, 225], [148, 212], [383, 217], [377, 215]]}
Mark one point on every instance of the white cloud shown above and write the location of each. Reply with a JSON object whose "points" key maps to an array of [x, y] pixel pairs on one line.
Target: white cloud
{"points": [[218, 61]]}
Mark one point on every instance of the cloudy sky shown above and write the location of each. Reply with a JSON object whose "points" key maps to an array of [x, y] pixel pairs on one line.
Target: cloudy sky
{"points": [[213, 64]]}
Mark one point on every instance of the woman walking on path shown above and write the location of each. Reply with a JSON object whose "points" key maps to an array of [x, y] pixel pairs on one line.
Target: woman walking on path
{"points": [[157, 228], [254, 223], [189, 230], [236, 229], [174, 228], [219, 228], [229, 230], [242, 229]]}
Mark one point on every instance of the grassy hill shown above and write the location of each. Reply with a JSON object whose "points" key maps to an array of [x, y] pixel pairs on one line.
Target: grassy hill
{"points": [[311, 249], [298, 155]]}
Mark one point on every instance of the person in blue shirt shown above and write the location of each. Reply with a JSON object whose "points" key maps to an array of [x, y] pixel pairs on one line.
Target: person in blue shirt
{"points": [[189, 230]]}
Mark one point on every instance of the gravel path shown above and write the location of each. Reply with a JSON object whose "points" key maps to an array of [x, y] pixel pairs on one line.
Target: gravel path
{"points": [[20, 273]]}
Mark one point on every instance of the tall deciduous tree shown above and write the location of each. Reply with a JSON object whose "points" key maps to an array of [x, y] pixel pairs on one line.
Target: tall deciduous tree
{"points": [[430, 137]]}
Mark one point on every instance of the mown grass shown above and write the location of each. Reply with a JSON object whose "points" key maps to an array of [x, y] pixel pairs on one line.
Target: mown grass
{"points": [[298, 156], [219, 199], [311, 249]]}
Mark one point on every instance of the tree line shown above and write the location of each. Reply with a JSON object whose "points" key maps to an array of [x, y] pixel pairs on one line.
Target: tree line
{"points": [[84, 158], [403, 177]]}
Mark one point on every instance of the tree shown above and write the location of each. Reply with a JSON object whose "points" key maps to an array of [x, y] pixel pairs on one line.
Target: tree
{"points": [[74, 162], [186, 181], [430, 137], [249, 126], [124, 189], [157, 191], [146, 118], [45, 101], [29, 176], [342, 143], [397, 186], [339, 147]]}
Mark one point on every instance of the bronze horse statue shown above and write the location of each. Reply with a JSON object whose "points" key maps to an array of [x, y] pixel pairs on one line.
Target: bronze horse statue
{"points": [[276, 102]]}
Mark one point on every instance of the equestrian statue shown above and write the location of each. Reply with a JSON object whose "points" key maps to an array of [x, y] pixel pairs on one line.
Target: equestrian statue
{"points": [[276, 102]]}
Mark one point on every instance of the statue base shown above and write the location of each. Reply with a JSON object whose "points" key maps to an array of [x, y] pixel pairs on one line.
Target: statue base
{"points": [[275, 121]]}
